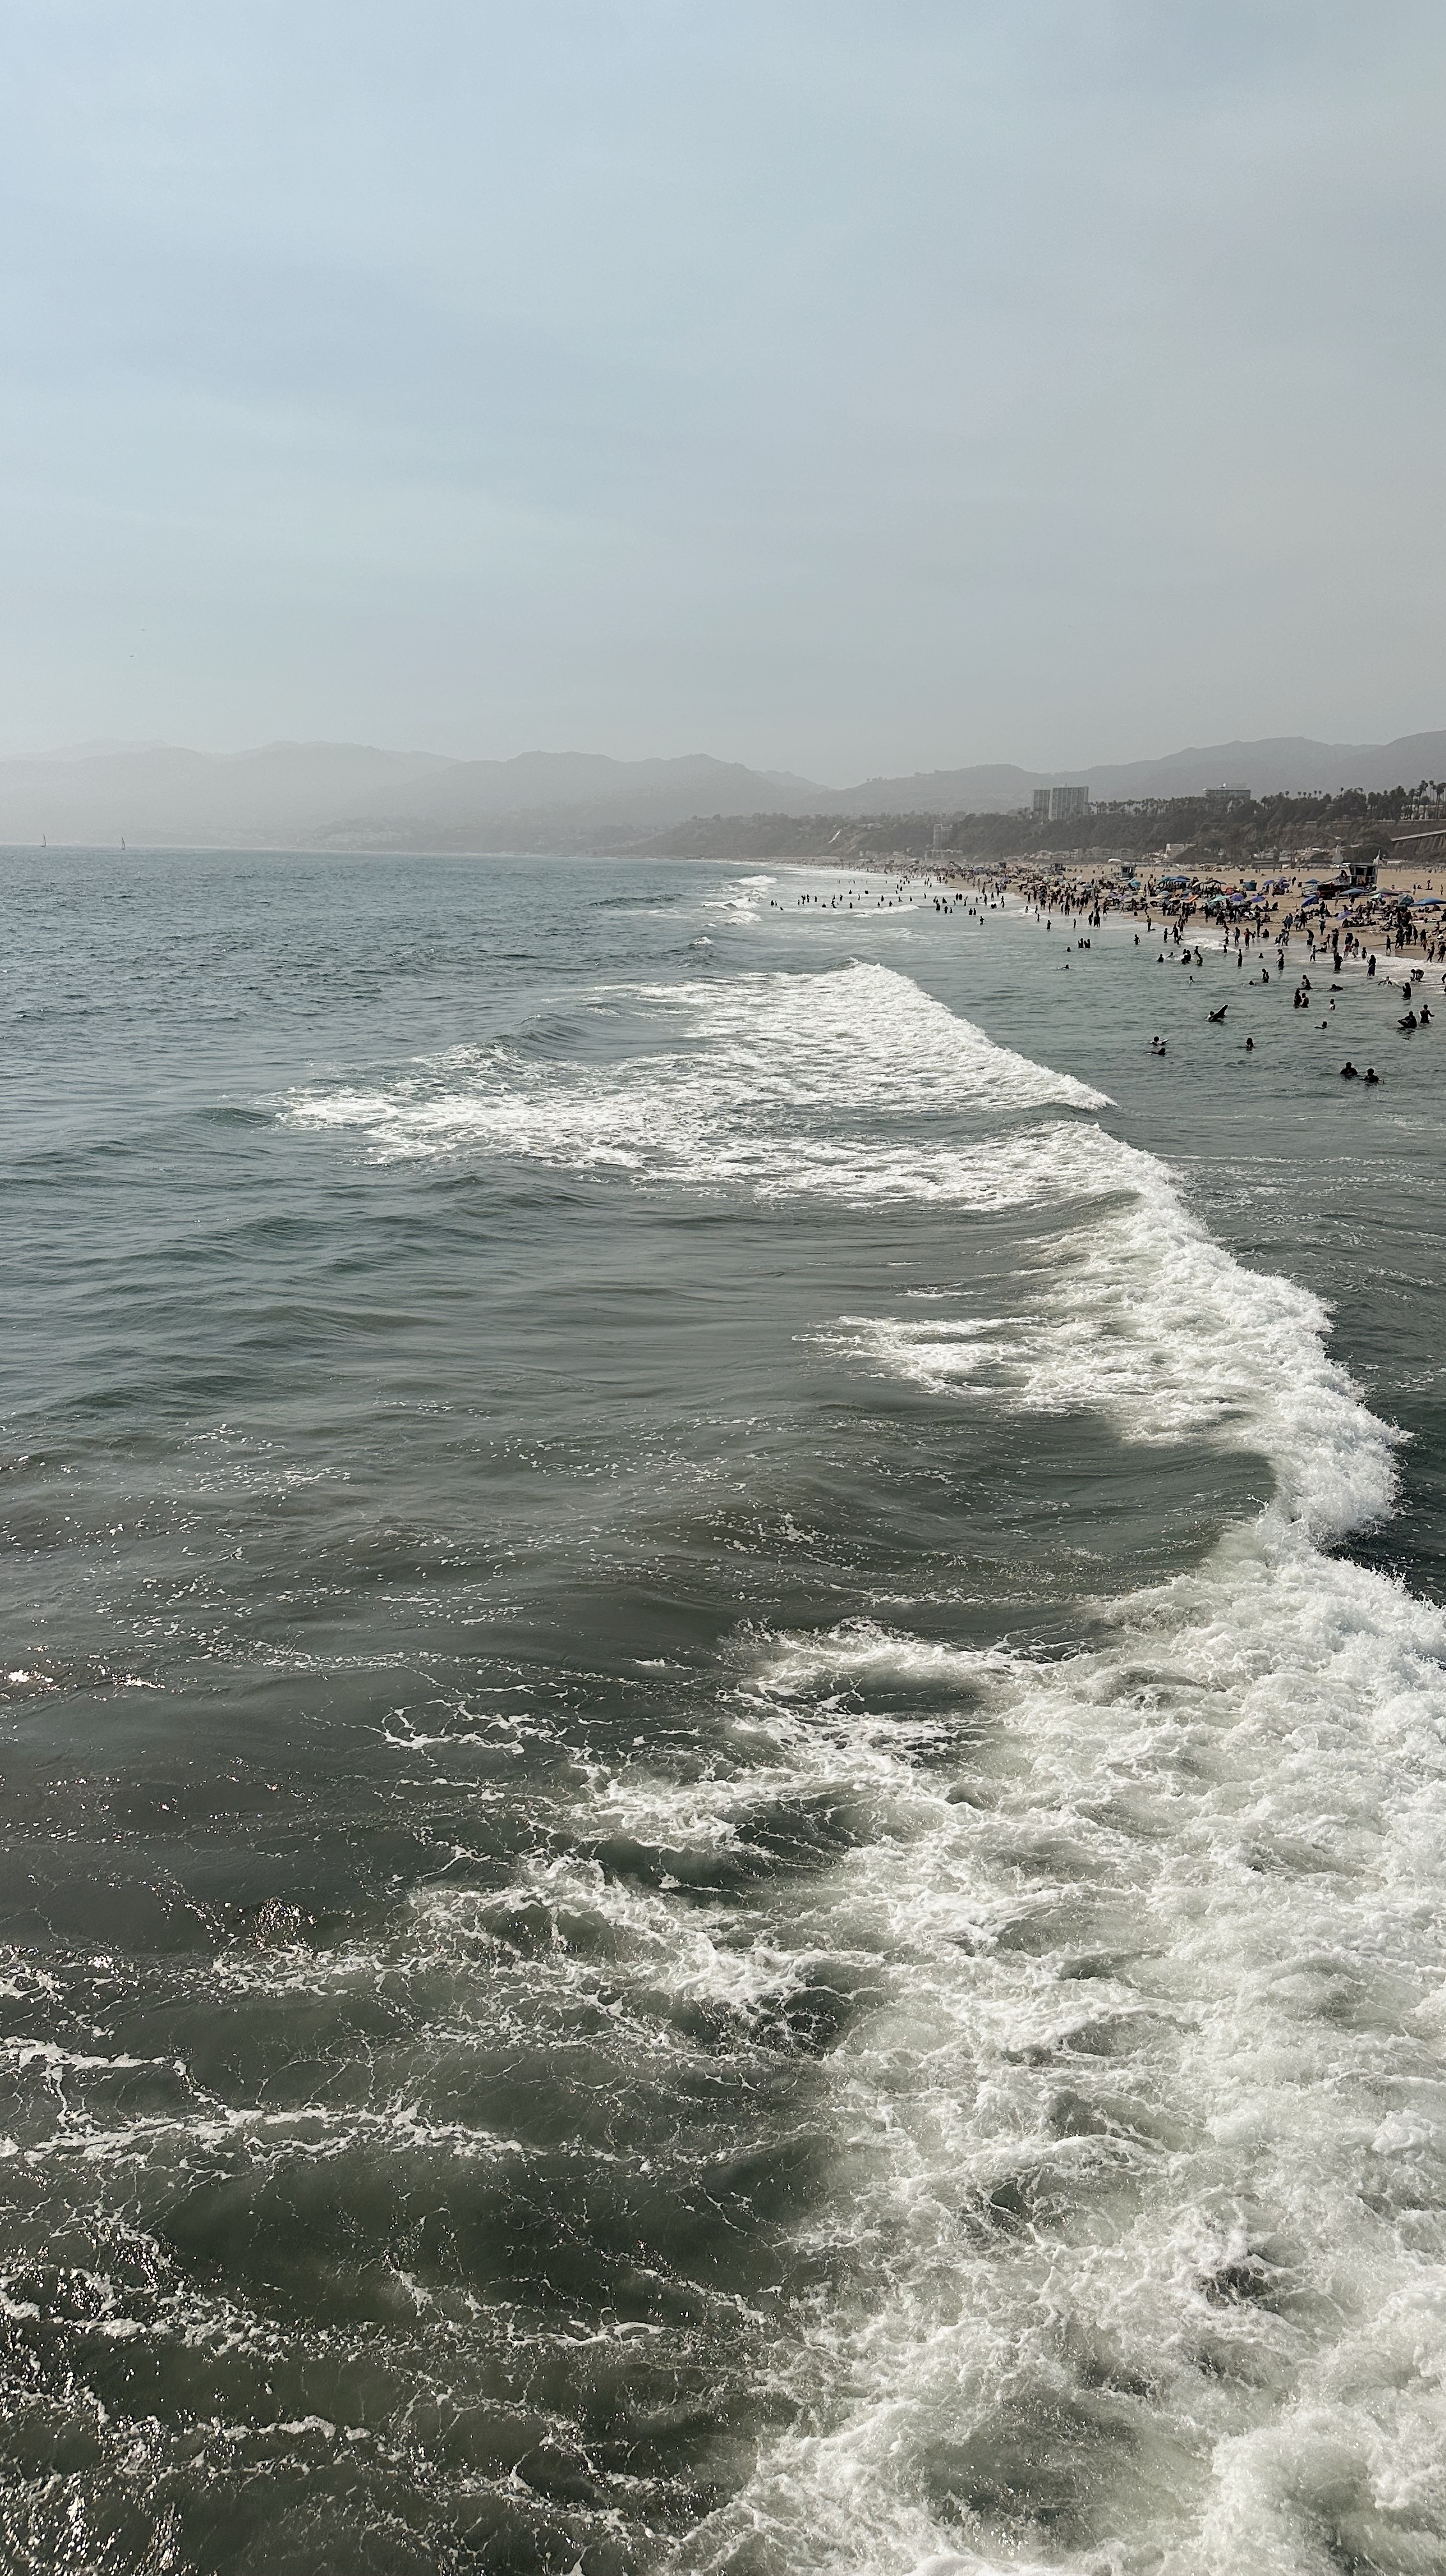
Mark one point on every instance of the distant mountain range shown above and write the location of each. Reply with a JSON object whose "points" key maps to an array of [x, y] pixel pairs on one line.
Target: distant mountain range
{"points": [[348, 796]]}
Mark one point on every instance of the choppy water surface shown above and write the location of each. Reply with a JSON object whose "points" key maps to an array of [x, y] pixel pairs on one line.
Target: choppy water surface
{"points": [[723, 1779]]}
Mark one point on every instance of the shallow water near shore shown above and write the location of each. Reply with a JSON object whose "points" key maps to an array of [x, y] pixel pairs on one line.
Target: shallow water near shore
{"points": [[724, 1780]]}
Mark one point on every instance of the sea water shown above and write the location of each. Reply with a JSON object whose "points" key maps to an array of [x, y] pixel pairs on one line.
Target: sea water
{"points": [[724, 1753]]}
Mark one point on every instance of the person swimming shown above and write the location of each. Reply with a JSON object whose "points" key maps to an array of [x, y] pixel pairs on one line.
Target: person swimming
{"points": [[1348, 1072], [1371, 1074]]}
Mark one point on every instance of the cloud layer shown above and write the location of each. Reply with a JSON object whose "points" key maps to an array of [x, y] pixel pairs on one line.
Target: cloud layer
{"points": [[836, 388]]}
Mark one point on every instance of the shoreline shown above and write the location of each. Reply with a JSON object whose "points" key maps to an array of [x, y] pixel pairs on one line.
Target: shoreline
{"points": [[1288, 929]]}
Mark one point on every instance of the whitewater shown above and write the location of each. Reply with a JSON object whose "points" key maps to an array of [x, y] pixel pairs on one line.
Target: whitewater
{"points": [[1178, 1900]]}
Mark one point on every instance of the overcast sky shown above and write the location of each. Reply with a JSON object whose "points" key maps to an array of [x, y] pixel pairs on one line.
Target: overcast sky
{"points": [[834, 387]]}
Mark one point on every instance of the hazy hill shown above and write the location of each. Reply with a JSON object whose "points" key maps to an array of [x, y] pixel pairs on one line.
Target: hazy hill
{"points": [[554, 799], [1274, 767], [154, 792], [576, 783], [352, 796], [1277, 767]]}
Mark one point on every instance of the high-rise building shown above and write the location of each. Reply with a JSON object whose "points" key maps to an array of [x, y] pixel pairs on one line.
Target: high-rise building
{"points": [[1057, 804]]}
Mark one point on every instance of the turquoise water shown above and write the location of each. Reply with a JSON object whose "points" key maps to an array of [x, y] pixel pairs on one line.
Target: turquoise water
{"points": [[723, 1753]]}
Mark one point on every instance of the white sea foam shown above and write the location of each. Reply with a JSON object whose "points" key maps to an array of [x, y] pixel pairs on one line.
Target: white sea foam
{"points": [[1139, 2190], [1138, 1315], [1149, 2130], [1157, 2107], [745, 1083], [1154, 2121]]}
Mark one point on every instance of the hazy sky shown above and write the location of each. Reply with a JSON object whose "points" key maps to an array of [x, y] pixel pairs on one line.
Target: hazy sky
{"points": [[835, 387]]}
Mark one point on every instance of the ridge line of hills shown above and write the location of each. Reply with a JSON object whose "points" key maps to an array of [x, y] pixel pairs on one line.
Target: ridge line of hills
{"points": [[346, 796]]}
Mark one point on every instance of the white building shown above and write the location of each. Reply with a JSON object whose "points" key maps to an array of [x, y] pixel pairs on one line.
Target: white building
{"points": [[1058, 804]]}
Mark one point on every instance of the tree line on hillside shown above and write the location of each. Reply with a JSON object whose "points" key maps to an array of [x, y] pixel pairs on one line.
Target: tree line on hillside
{"points": [[1225, 834], [1214, 835], [1221, 835]]}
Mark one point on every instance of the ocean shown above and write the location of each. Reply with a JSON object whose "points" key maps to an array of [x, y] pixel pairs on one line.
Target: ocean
{"points": [[724, 1743]]}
